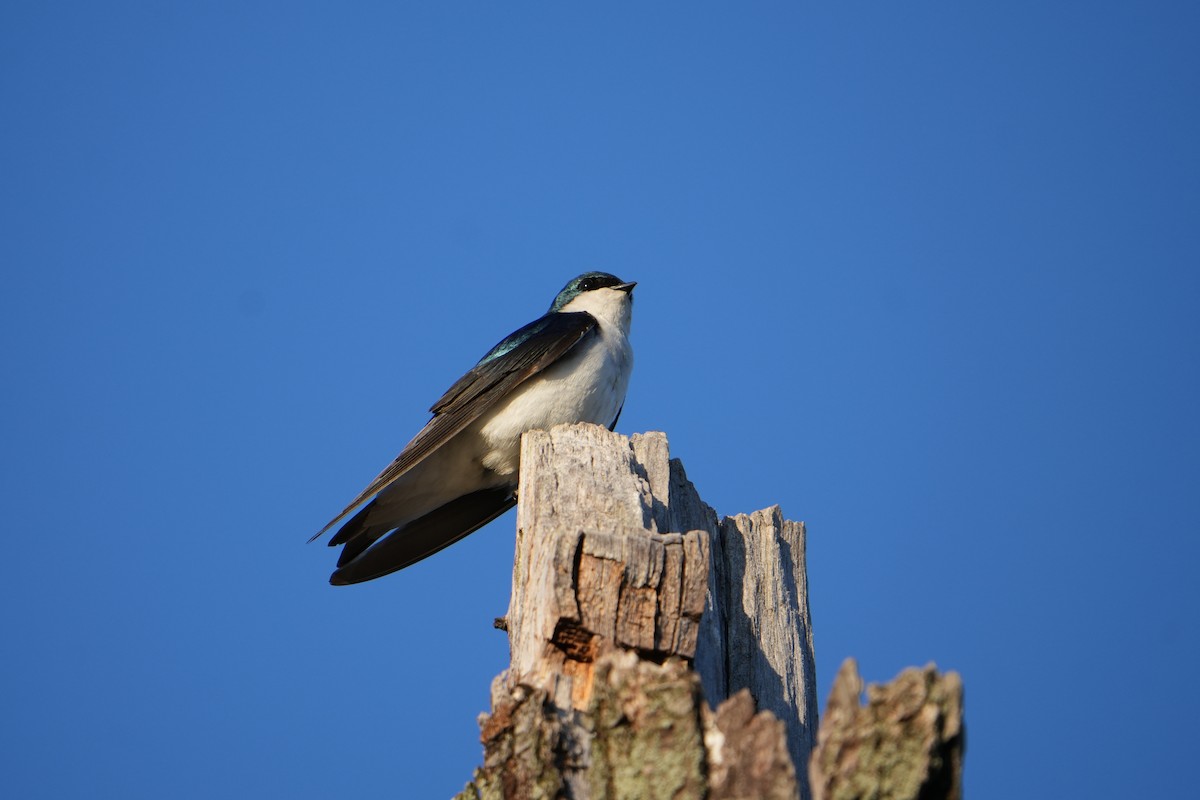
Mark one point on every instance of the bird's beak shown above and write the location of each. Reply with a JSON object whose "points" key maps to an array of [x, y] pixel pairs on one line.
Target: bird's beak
{"points": [[626, 287]]}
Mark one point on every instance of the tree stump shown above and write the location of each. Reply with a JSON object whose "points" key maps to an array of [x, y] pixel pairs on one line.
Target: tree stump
{"points": [[634, 613]]}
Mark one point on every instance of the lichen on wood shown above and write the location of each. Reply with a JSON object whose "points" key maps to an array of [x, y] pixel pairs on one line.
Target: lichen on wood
{"points": [[905, 743]]}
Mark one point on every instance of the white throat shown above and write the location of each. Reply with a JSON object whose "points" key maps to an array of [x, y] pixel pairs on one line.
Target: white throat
{"points": [[612, 307]]}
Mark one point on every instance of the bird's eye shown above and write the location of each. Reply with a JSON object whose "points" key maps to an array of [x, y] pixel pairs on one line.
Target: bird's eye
{"points": [[587, 285]]}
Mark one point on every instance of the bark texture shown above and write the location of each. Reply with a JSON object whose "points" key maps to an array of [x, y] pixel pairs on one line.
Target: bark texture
{"points": [[906, 743], [632, 605]]}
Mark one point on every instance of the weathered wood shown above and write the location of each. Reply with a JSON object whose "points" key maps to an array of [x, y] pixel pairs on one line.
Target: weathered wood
{"points": [[646, 734], [906, 743], [756, 632], [623, 578], [592, 572]]}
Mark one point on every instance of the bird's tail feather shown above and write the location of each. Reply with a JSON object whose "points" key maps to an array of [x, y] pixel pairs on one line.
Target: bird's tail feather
{"points": [[368, 554]]}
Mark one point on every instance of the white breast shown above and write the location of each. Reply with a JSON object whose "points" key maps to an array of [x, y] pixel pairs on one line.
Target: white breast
{"points": [[588, 385]]}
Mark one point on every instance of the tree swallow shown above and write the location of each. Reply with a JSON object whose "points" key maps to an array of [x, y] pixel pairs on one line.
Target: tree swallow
{"points": [[460, 472]]}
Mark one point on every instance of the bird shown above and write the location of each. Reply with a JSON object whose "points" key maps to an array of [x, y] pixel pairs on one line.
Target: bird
{"points": [[460, 471]]}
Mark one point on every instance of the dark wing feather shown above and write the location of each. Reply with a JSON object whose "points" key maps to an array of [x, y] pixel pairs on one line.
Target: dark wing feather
{"points": [[425, 536], [520, 356]]}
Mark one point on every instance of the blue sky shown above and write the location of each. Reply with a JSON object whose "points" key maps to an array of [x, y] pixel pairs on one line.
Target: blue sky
{"points": [[925, 275]]}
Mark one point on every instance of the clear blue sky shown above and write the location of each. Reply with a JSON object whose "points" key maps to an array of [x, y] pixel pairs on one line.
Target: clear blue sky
{"points": [[928, 276]]}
